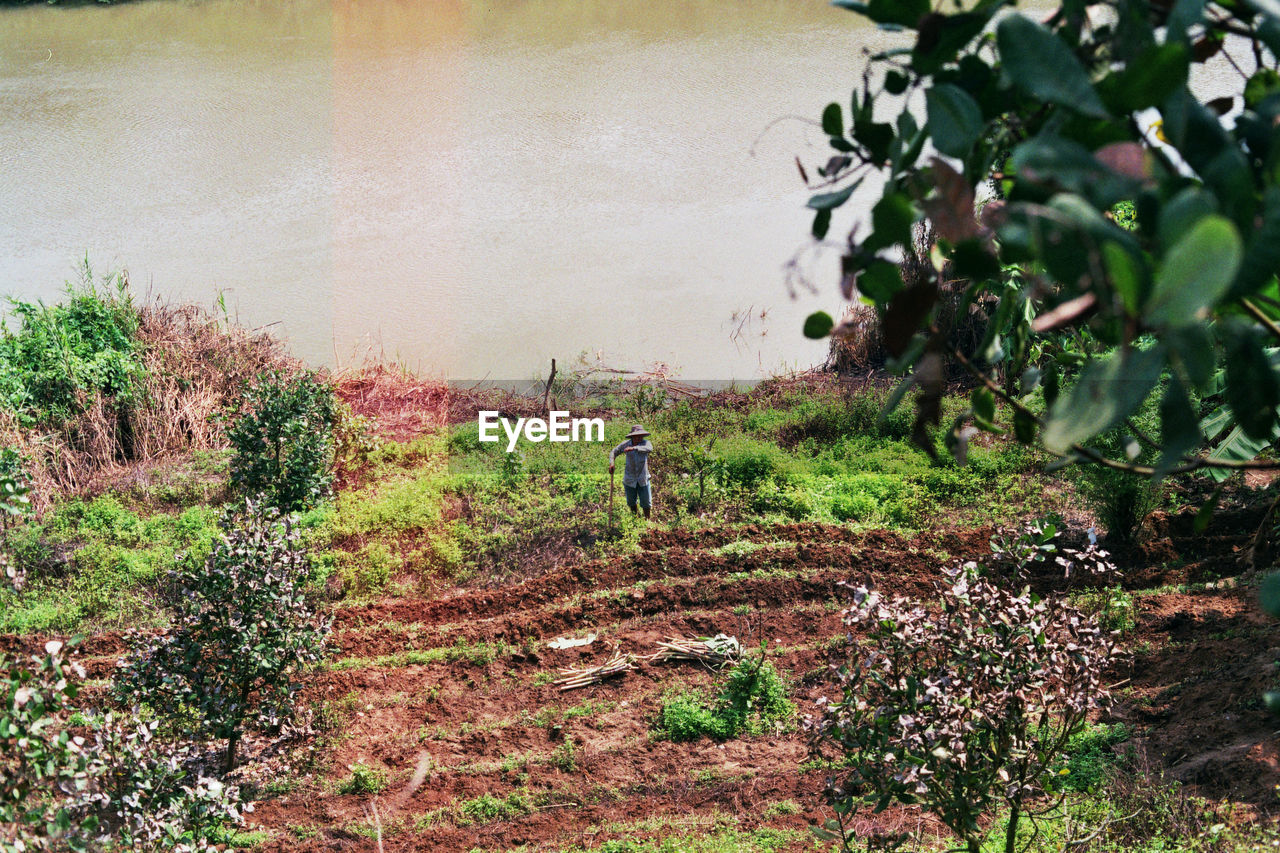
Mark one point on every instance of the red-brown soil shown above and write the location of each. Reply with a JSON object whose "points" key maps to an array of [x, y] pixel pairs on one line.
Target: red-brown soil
{"points": [[1190, 689], [1189, 686]]}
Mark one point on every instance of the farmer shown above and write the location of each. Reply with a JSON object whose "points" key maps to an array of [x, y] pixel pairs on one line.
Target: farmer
{"points": [[635, 474]]}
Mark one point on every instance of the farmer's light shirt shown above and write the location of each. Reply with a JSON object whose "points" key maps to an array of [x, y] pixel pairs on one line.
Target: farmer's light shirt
{"points": [[636, 472]]}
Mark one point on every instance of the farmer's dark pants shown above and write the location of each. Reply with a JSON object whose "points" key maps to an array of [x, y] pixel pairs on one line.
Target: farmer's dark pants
{"points": [[637, 492]]}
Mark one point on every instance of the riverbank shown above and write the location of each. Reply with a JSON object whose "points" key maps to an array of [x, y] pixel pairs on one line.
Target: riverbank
{"points": [[451, 571]]}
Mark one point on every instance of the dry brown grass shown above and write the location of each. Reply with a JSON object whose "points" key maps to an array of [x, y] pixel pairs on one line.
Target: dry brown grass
{"points": [[193, 364]]}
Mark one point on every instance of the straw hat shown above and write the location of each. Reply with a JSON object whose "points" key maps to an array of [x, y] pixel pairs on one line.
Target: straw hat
{"points": [[636, 429]]}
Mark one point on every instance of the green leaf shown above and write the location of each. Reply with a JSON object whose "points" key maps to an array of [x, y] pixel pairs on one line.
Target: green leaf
{"points": [[880, 281], [1108, 391], [971, 259], [891, 221], [821, 223], [875, 136], [984, 403], [1269, 34], [955, 120], [1263, 83], [1051, 382], [1126, 276], [942, 37], [818, 325], [1024, 427], [1185, 14], [1253, 390], [1066, 164], [1269, 594], [1193, 346], [904, 12], [1196, 273], [1270, 8], [831, 200], [1042, 65], [895, 82], [1179, 427], [1262, 257], [833, 120], [1237, 447], [1181, 212], [1156, 74]]}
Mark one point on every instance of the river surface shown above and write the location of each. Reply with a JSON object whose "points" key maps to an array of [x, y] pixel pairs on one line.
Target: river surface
{"points": [[469, 189]]}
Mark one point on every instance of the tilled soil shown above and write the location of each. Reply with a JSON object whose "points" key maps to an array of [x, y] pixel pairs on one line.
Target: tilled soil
{"points": [[1190, 689], [487, 721]]}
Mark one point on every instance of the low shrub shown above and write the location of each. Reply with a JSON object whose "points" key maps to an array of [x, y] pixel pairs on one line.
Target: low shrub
{"points": [[367, 571], [1120, 501], [281, 434], [916, 721], [747, 463], [487, 808], [36, 753]]}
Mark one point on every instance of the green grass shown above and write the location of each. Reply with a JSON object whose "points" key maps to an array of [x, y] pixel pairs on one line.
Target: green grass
{"points": [[487, 808], [364, 780], [97, 563], [810, 456], [763, 840], [1089, 756], [478, 654]]}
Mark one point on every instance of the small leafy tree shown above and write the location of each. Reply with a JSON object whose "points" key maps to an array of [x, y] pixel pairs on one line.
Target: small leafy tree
{"points": [[958, 710], [282, 438], [243, 627], [40, 761]]}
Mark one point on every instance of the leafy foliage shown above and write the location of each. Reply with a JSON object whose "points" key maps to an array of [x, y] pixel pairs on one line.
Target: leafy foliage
{"points": [[752, 701], [1089, 756], [151, 795], [242, 628], [364, 780], [1127, 243], [959, 709], [122, 787], [37, 753], [65, 355], [283, 441]]}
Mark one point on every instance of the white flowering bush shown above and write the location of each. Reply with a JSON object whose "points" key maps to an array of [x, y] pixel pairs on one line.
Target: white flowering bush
{"points": [[148, 794], [243, 628], [961, 708], [119, 788], [42, 766]]}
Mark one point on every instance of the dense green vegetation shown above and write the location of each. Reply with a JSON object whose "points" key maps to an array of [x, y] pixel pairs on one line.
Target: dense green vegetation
{"points": [[64, 357]]}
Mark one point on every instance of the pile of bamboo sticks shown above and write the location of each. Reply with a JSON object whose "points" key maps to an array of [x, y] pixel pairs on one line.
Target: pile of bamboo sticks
{"points": [[617, 664], [712, 651]]}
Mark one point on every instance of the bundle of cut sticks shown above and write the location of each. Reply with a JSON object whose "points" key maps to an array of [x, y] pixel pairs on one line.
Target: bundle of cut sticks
{"points": [[617, 664], [712, 651]]}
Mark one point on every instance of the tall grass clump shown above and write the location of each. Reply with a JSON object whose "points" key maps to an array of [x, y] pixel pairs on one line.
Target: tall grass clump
{"points": [[97, 382]]}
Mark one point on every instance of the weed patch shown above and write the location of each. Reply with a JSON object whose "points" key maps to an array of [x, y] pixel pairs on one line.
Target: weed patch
{"points": [[752, 701]]}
